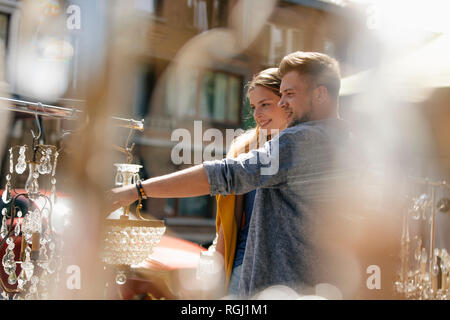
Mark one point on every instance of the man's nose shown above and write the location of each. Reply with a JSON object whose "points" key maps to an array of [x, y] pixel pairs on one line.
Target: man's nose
{"points": [[282, 103]]}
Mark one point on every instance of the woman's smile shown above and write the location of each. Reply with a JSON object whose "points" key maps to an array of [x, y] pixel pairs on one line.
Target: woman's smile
{"points": [[264, 123]]}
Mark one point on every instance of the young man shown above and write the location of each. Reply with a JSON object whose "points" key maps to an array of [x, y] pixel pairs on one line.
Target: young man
{"points": [[297, 175]]}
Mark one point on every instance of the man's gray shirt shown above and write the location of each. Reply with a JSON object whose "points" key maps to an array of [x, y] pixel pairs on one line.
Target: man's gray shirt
{"points": [[296, 175]]}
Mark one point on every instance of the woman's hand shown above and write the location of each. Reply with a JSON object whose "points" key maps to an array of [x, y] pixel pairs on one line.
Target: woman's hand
{"points": [[120, 197]]}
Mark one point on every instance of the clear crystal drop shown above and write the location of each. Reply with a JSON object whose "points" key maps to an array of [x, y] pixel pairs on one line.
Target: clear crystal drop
{"points": [[119, 179], [8, 177], [9, 264], [5, 259], [32, 189], [54, 163], [4, 211], [4, 228], [21, 165], [21, 280], [19, 214], [42, 166], [17, 229], [121, 278], [28, 267], [49, 167], [11, 162], [12, 279], [53, 180], [6, 195]]}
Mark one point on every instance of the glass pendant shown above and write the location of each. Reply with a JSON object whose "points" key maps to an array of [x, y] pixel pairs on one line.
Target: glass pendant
{"points": [[21, 161], [32, 185], [12, 279], [6, 195]]}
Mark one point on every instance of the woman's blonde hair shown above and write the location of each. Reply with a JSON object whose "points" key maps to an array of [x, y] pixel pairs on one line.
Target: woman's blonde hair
{"points": [[250, 139], [269, 78]]}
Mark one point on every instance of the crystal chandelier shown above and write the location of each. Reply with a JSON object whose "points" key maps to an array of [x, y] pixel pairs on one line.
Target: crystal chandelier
{"points": [[32, 259], [426, 275], [129, 240]]}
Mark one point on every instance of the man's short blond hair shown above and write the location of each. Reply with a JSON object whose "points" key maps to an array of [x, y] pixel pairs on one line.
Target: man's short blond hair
{"points": [[321, 69]]}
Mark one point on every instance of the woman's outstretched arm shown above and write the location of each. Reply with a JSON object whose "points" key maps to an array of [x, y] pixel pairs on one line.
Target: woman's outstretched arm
{"points": [[189, 182]]}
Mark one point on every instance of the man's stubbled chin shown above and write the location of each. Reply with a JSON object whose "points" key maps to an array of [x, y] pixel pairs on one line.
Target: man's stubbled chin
{"points": [[289, 114]]}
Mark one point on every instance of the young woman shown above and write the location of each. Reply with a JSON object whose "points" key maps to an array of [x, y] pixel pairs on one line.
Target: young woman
{"points": [[234, 211]]}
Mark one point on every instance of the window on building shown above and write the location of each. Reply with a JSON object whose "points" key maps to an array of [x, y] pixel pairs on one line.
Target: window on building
{"points": [[199, 13], [220, 96], [219, 13], [181, 93], [153, 7], [280, 41], [4, 28], [207, 14], [217, 95]]}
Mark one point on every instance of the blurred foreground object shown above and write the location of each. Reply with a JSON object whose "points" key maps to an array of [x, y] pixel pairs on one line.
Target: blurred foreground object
{"points": [[424, 277]]}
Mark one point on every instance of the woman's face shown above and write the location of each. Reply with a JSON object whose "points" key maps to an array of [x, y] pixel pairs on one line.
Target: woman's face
{"points": [[267, 114]]}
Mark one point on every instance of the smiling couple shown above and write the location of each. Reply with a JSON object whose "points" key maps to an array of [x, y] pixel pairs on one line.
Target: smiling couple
{"points": [[268, 224]]}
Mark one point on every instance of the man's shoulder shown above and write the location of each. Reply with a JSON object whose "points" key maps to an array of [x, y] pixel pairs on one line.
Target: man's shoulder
{"points": [[317, 129]]}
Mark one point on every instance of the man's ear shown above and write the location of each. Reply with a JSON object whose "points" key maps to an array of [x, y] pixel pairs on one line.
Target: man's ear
{"points": [[320, 94]]}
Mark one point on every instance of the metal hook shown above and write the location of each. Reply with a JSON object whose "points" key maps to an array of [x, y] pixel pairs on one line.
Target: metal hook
{"points": [[128, 150], [36, 138]]}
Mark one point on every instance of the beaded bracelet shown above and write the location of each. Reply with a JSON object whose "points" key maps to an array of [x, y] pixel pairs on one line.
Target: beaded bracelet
{"points": [[140, 190]]}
